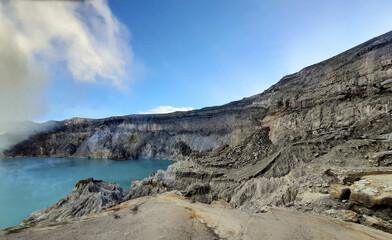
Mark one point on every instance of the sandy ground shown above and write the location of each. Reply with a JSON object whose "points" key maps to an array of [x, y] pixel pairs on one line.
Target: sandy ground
{"points": [[169, 216]]}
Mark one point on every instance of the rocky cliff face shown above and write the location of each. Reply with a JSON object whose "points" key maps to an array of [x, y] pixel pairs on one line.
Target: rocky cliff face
{"points": [[167, 136], [288, 146]]}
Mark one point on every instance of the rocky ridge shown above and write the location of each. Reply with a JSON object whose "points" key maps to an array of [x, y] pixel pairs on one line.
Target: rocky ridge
{"points": [[317, 141]]}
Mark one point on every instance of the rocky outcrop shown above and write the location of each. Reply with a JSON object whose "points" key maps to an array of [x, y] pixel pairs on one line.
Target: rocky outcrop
{"points": [[88, 196], [325, 125]]}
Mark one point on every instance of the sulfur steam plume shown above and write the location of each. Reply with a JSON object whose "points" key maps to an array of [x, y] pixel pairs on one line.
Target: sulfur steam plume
{"points": [[84, 36]]}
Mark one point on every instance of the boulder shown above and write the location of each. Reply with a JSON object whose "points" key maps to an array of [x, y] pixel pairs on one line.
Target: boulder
{"points": [[350, 216], [372, 191], [376, 223]]}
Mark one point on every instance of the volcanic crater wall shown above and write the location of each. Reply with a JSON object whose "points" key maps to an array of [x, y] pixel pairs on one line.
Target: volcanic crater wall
{"points": [[167, 136], [292, 145], [336, 95]]}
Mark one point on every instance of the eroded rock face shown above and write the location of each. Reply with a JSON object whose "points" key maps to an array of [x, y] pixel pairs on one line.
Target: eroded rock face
{"points": [[165, 136], [88, 196], [327, 124], [147, 187]]}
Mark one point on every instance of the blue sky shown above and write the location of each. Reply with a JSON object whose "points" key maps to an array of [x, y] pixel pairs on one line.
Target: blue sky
{"points": [[210, 52]]}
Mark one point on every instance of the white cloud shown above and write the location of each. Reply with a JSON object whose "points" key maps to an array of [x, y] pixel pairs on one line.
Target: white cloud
{"points": [[167, 109]]}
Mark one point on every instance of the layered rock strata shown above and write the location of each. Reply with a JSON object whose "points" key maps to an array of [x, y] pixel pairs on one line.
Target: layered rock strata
{"points": [[284, 147]]}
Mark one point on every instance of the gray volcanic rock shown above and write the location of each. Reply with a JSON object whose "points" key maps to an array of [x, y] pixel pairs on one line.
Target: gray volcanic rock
{"points": [[335, 114], [327, 124], [88, 196], [148, 186], [165, 136]]}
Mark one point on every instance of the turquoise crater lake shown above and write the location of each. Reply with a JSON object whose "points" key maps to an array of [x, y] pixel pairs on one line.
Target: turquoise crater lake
{"points": [[30, 184]]}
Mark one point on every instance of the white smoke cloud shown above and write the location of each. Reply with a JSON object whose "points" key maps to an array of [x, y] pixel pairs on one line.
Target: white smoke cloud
{"points": [[167, 109], [34, 35], [83, 34]]}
